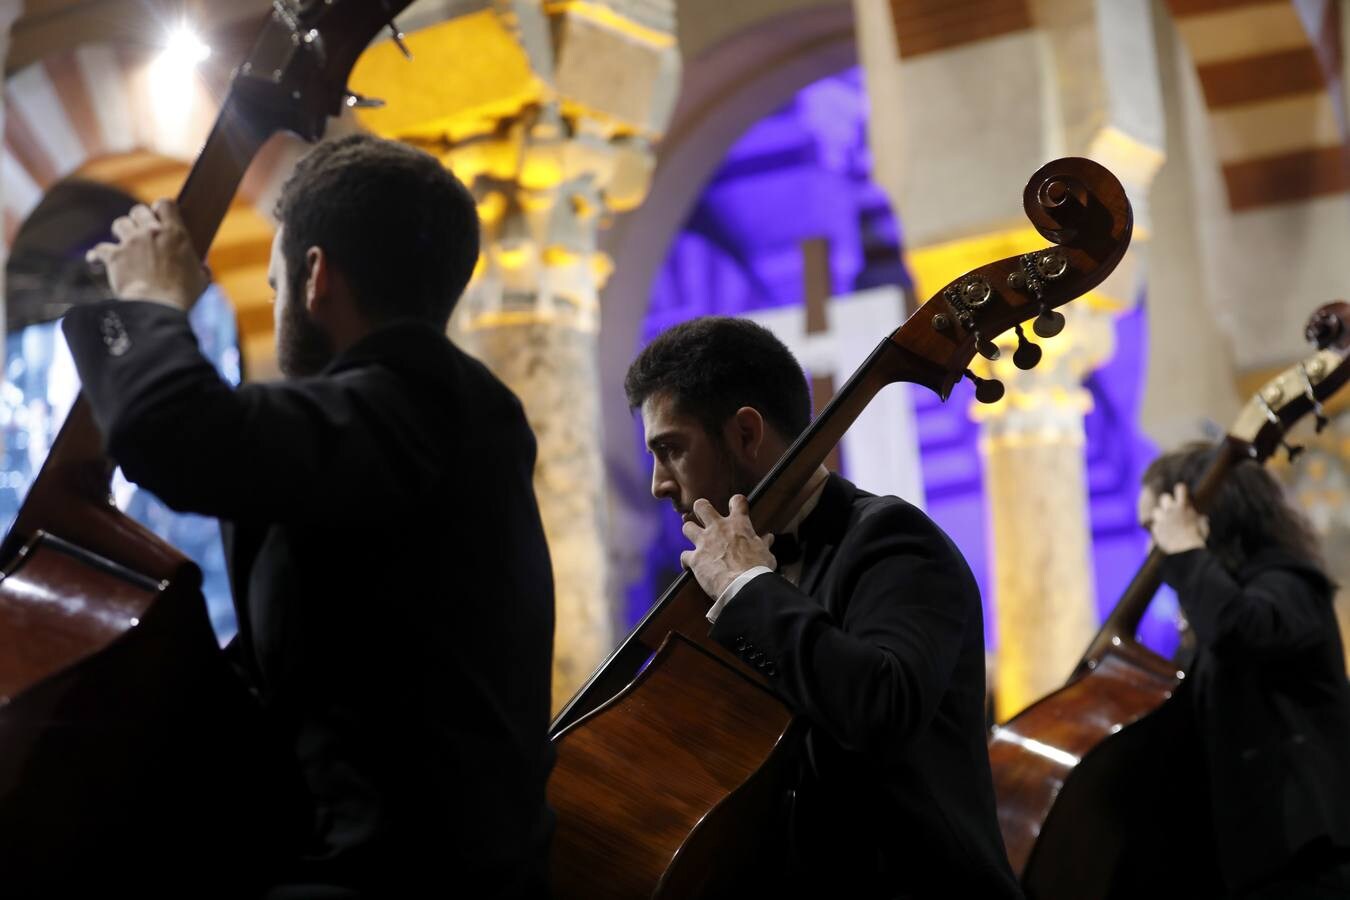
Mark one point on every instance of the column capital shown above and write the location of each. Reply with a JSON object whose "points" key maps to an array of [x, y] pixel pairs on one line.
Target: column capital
{"points": [[1047, 403], [544, 189], [613, 63], [552, 149]]}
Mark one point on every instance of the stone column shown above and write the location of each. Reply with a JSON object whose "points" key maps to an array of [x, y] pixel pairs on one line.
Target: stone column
{"points": [[1036, 486], [553, 145], [532, 314]]}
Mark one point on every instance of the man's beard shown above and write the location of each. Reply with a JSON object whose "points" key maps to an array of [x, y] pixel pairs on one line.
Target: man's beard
{"points": [[739, 478], [303, 348], [743, 481]]}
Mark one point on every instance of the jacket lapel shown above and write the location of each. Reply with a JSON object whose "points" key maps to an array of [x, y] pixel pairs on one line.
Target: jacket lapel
{"points": [[822, 531]]}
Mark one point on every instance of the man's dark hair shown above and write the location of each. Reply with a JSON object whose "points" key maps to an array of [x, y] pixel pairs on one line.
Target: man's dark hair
{"points": [[714, 365], [1249, 512], [392, 219]]}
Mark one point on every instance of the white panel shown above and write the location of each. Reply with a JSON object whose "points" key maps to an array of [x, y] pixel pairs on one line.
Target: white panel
{"points": [[881, 449], [34, 95], [22, 193]]}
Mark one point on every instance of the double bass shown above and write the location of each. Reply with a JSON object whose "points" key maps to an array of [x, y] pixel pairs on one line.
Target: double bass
{"points": [[672, 754], [1099, 794], [128, 749]]}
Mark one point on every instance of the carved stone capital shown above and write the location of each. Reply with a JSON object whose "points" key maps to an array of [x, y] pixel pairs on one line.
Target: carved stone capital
{"points": [[545, 187], [1047, 404], [613, 63]]}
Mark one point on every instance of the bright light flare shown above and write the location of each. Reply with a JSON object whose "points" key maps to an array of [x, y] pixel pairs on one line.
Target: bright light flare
{"points": [[173, 81], [182, 52]]}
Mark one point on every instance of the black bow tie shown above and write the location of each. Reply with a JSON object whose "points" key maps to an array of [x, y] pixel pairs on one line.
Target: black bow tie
{"points": [[785, 549]]}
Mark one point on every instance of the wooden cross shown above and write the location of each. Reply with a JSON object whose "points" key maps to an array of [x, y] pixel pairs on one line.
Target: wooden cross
{"points": [[819, 287]]}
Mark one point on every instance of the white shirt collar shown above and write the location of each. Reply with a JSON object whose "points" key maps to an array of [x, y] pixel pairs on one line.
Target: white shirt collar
{"points": [[813, 499]]}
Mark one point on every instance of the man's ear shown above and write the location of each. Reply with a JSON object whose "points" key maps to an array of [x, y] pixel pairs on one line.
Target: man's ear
{"points": [[744, 433], [317, 277]]}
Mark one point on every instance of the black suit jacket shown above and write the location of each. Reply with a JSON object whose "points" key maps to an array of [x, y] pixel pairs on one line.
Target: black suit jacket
{"points": [[391, 580], [1272, 704], [882, 650]]}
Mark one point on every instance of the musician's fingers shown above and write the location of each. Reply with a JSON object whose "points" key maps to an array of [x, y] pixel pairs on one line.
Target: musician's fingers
{"points": [[687, 559], [706, 512], [142, 216], [123, 227], [1181, 495], [99, 253], [691, 530], [168, 213], [739, 506]]}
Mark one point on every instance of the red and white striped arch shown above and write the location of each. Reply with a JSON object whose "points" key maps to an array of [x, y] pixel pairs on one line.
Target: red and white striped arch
{"points": [[98, 112], [1270, 72]]}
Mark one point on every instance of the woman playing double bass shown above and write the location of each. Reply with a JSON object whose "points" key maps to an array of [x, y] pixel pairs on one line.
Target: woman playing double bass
{"points": [[1268, 684]]}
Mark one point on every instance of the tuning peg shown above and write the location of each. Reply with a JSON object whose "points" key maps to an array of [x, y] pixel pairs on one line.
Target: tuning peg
{"points": [[1325, 328], [1320, 416], [360, 101], [1294, 450], [987, 390], [1049, 323], [1027, 355], [987, 348], [398, 40]]}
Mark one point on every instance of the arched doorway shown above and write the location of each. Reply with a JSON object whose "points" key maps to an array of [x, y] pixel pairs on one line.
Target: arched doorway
{"points": [[45, 276]]}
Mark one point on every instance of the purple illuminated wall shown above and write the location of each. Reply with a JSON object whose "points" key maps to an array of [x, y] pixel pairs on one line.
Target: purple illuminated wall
{"points": [[1117, 454], [804, 172]]}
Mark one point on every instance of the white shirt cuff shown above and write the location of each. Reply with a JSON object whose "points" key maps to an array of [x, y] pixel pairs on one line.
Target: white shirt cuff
{"points": [[735, 588]]}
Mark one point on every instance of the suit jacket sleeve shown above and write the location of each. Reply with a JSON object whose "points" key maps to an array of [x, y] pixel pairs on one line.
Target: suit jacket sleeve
{"points": [[311, 449], [876, 677], [1274, 614]]}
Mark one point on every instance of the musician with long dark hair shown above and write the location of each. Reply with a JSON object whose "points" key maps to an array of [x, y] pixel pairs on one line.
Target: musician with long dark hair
{"points": [[1268, 683]]}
